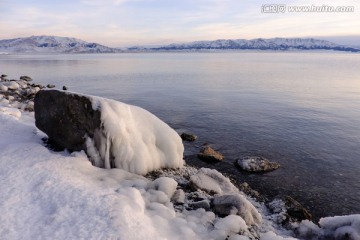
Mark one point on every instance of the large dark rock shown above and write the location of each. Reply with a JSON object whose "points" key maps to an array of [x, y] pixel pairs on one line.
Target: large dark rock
{"points": [[66, 118]]}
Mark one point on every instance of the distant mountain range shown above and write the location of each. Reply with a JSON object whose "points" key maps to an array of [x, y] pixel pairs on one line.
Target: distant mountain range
{"points": [[256, 44], [53, 44]]}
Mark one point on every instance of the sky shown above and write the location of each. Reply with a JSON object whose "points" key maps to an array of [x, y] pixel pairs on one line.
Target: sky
{"points": [[123, 23]]}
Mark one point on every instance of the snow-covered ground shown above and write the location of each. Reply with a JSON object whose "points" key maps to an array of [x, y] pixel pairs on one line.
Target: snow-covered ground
{"points": [[58, 195]]}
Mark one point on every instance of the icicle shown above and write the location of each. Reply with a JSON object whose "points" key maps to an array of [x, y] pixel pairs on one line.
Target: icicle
{"points": [[107, 153]]}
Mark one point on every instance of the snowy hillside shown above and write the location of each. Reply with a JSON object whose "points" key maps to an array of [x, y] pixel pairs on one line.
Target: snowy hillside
{"points": [[259, 43], [52, 44]]}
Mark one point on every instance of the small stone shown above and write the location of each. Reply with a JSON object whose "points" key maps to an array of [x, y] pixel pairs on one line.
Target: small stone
{"points": [[188, 137], [23, 84], [10, 98], [179, 196], [237, 204], [210, 155], [30, 106], [26, 78], [50, 86], [205, 204], [256, 164], [64, 88], [3, 88], [13, 85]]}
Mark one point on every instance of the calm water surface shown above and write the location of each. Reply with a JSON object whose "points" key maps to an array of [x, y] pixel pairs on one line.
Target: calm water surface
{"points": [[301, 109]]}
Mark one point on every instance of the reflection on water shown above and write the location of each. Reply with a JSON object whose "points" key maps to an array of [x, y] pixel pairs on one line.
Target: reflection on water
{"points": [[300, 109]]}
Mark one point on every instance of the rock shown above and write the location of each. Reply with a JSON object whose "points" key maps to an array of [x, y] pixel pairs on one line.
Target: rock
{"points": [[50, 86], [205, 204], [12, 85], [26, 78], [237, 204], [65, 88], [66, 118], [3, 76], [3, 88], [113, 134], [210, 155], [188, 137], [295, 211], [178, 197], [23, 84], [29, 106], [211, 181], [256, 164]]}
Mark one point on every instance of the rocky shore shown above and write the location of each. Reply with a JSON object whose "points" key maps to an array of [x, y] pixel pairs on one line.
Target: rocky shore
{"points": [[207, 190]]}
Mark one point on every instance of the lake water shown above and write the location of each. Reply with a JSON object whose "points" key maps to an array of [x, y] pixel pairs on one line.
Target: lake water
{"points": [[301, 109]]}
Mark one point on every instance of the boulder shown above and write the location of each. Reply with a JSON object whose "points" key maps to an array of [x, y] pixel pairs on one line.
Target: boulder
{"points": [[256, 164], [210, 155], [50, 86], [66, 118], [188, 137], [113, 134]]}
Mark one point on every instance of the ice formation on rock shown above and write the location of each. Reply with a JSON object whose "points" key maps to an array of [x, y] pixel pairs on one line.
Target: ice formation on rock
{"points": [[133, 139]]}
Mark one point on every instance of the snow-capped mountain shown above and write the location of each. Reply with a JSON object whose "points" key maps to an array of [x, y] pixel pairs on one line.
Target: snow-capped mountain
{"points": [[259, 43], [52, 44]]}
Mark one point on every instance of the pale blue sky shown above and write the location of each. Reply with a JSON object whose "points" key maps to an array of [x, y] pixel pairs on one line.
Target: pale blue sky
{"points": [[119, 23]]}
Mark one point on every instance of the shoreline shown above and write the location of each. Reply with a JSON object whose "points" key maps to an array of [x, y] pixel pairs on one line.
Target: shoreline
{"points": [[13, 102]]}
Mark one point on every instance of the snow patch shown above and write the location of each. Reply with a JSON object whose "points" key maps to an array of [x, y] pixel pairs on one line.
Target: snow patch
{"points": [[11, 111]]}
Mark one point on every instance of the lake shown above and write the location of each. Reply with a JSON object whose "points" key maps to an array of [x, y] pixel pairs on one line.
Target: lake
{"points": [[301, 109]]}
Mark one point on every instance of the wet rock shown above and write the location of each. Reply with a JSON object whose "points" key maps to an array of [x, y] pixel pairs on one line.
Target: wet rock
{"points": [[210, 155], [37, 85], [237, 204], [50, 86], [66, 118], [178, 197], [295, 211], [256, 164], [205, 204], [64, 88], [188, 137], [245, 188], [26, 78]]}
